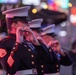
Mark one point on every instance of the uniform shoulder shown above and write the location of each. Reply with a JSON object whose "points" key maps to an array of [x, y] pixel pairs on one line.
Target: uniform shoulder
{"points": [[4, 39]]}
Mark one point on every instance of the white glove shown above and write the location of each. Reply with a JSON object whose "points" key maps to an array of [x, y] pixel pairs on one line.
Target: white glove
{"points": [[19, 35]]}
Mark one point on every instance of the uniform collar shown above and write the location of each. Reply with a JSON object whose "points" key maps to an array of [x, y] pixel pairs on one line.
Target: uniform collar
{"points": [[12, 35]]}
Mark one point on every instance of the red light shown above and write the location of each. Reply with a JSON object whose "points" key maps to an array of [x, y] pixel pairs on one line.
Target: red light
{"points": [[73, 10]]}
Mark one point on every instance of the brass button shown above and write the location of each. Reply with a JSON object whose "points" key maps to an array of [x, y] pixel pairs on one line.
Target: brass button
{"points": [[42, 71], [32, 56], [14, 48], [57, 70], [42, 66], [57, 66], [32, 62], [12, 52], [25, 45], [29, 50], [50, 50], [16, 43], [35, 71]]}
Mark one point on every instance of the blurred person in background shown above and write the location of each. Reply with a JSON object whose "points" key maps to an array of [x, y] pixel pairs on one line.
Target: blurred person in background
{"points": [[72, 54]]}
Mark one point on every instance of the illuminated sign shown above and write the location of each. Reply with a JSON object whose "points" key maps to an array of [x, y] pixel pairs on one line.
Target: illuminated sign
{"points": [[50, 1], [64, 3], [73, 15], [52, 5], [58, 3], [31, 2], [8, 1]]}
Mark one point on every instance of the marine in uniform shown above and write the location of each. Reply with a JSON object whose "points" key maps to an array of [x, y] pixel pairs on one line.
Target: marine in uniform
{"points": [[72, 54], [16, 55], [2, 35], [46, 64], [48, 36]]}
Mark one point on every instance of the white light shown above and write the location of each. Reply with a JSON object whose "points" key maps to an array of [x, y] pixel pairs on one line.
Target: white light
{"points": [[44, 5], [62, 33], [73, 18], [63, 24], [8, 1], [31, 2]]}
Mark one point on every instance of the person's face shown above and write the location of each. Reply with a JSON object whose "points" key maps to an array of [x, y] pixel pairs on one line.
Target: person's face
{"points": [[48, 38], [22, 25], [30, 37]]}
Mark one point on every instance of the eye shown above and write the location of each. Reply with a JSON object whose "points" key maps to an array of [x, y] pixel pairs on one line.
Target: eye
{"points": [[26, 33]]}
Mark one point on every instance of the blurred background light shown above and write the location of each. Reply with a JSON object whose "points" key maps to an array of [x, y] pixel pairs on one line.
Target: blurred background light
{"points": [[57, 4], [73, 10], [50, 1], [73, 18], [34, 11], [8, 1], [73, 15], [63, 24], [52, 5], [62, 33], [44, 5], [64, 3], [31, 2], [70, 4]]}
